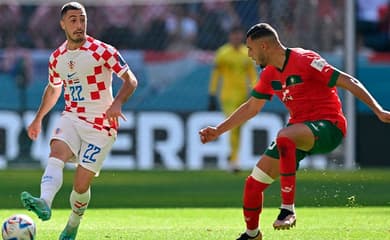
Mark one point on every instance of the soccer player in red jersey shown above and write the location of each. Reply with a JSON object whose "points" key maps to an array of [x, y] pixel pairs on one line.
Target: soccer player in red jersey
{"points": [[306, 84], [81, 68]]}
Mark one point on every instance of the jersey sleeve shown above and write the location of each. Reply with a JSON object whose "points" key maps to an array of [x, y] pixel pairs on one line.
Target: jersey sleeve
{"points": [[54, 78], [323, 71], [114, 61], [263, 88]]}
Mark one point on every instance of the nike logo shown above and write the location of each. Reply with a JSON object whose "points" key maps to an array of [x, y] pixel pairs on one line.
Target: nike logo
{"points": [[71, 75]]}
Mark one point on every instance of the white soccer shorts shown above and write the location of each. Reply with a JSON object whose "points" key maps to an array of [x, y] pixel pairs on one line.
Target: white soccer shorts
{"points": [[89, 146]]}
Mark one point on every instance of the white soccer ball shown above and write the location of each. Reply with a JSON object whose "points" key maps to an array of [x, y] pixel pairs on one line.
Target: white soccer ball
{"points": [[18, 227]]}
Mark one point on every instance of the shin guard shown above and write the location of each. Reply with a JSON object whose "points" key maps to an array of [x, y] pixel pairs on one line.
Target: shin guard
{"points": [[253, 202], [287, 164]]}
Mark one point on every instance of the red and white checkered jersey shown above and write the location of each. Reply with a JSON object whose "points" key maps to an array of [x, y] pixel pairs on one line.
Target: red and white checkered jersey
{"points": [[86, 75]]}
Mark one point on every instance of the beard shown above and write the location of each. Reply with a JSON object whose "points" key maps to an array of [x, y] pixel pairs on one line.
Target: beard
{"points": [[76, 38]]}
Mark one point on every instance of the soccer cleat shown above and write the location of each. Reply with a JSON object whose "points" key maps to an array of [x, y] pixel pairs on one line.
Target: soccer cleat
{"points": [[245, 236], [37, 205], [69, 233], [285, 220]]}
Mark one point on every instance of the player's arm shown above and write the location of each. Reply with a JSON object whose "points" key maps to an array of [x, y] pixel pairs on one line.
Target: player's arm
{"points": [[358, 90], [242, 114], [127, 89], [49, 99]]}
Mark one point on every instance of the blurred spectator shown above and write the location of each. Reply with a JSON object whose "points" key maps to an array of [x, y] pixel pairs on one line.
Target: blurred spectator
{"points": [[211, 33], [116, 30], [95, 16], [10, 19], [205, 25], [182, 28], [155, 36], [248, 12], [369, 23], [283, 20], [45, 36], [318, 24], [330, 25]]}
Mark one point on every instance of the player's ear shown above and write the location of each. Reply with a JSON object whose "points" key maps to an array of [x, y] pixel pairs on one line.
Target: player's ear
{"points": [[62, 24], [263, 45]]}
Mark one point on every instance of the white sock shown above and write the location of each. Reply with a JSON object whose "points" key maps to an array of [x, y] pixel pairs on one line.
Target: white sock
{"points": [[51, 180], [290, 207], [252, 233], [79, 203]]}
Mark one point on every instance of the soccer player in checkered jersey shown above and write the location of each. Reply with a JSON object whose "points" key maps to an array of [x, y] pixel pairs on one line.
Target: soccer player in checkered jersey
{"points": [[83, 67], [306, 84]]}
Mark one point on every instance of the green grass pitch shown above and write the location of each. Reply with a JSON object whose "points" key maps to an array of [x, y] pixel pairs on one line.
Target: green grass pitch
{"points": [[195, 205], [368, 223]]}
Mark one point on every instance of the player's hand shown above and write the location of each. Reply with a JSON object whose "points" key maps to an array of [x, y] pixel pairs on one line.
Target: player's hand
{"points": [[384, 116], [34, 129], [208, 134], [113, 113]]}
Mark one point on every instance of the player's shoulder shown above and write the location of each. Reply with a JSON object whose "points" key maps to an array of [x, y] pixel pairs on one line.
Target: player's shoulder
{"points": [[301, 54], [58, 52], [94, 44], [310, 58], [223, 49], [267, 72]]}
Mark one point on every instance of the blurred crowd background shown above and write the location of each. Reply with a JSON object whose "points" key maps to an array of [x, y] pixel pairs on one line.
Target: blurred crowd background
{"points": [[185, 25], [170, 46]]}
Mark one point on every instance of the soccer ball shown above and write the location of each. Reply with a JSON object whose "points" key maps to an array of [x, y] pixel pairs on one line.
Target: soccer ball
{"points": [[18, 227]]}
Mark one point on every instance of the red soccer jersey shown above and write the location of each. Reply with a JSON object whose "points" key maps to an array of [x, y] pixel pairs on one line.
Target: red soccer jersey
{"points": [[306, 86]]}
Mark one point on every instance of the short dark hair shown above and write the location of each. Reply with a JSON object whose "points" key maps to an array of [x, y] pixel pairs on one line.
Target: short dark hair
{"points": [[72, 6], [261, 30]]}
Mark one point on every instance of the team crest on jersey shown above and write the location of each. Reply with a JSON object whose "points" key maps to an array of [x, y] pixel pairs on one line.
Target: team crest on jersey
{"points": [[71, 64]]}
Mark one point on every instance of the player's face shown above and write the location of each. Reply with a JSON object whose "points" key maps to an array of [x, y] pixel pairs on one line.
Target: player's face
{"points": [[235, 38], [256, 51], [74, 23]]}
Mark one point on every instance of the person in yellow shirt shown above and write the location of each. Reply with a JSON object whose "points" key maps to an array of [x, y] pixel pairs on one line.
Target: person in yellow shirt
{"points": [[232, 77]]}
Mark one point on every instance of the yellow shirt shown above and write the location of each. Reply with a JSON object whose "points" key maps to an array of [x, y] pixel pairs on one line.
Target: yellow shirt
{"points": [[236, 70]]}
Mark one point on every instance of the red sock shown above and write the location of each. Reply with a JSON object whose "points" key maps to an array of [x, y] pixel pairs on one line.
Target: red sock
{"points": [[287, 164], [253, 202]]}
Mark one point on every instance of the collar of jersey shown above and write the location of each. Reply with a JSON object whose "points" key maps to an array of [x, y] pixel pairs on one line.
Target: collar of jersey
{"points": [[285, 60]]}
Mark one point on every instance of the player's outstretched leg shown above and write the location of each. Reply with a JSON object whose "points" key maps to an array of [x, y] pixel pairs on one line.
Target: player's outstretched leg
{"points": [[245, 236], [69, 232], [286, 220], [36, 205]]}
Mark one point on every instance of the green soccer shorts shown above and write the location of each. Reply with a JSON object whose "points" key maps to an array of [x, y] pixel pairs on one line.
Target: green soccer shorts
{"points": [[327, 138]]}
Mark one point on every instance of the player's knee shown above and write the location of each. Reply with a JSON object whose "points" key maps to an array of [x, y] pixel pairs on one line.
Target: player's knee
{"points": [[60, 150], [80, 188], [260, 176], [284, 133]]}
